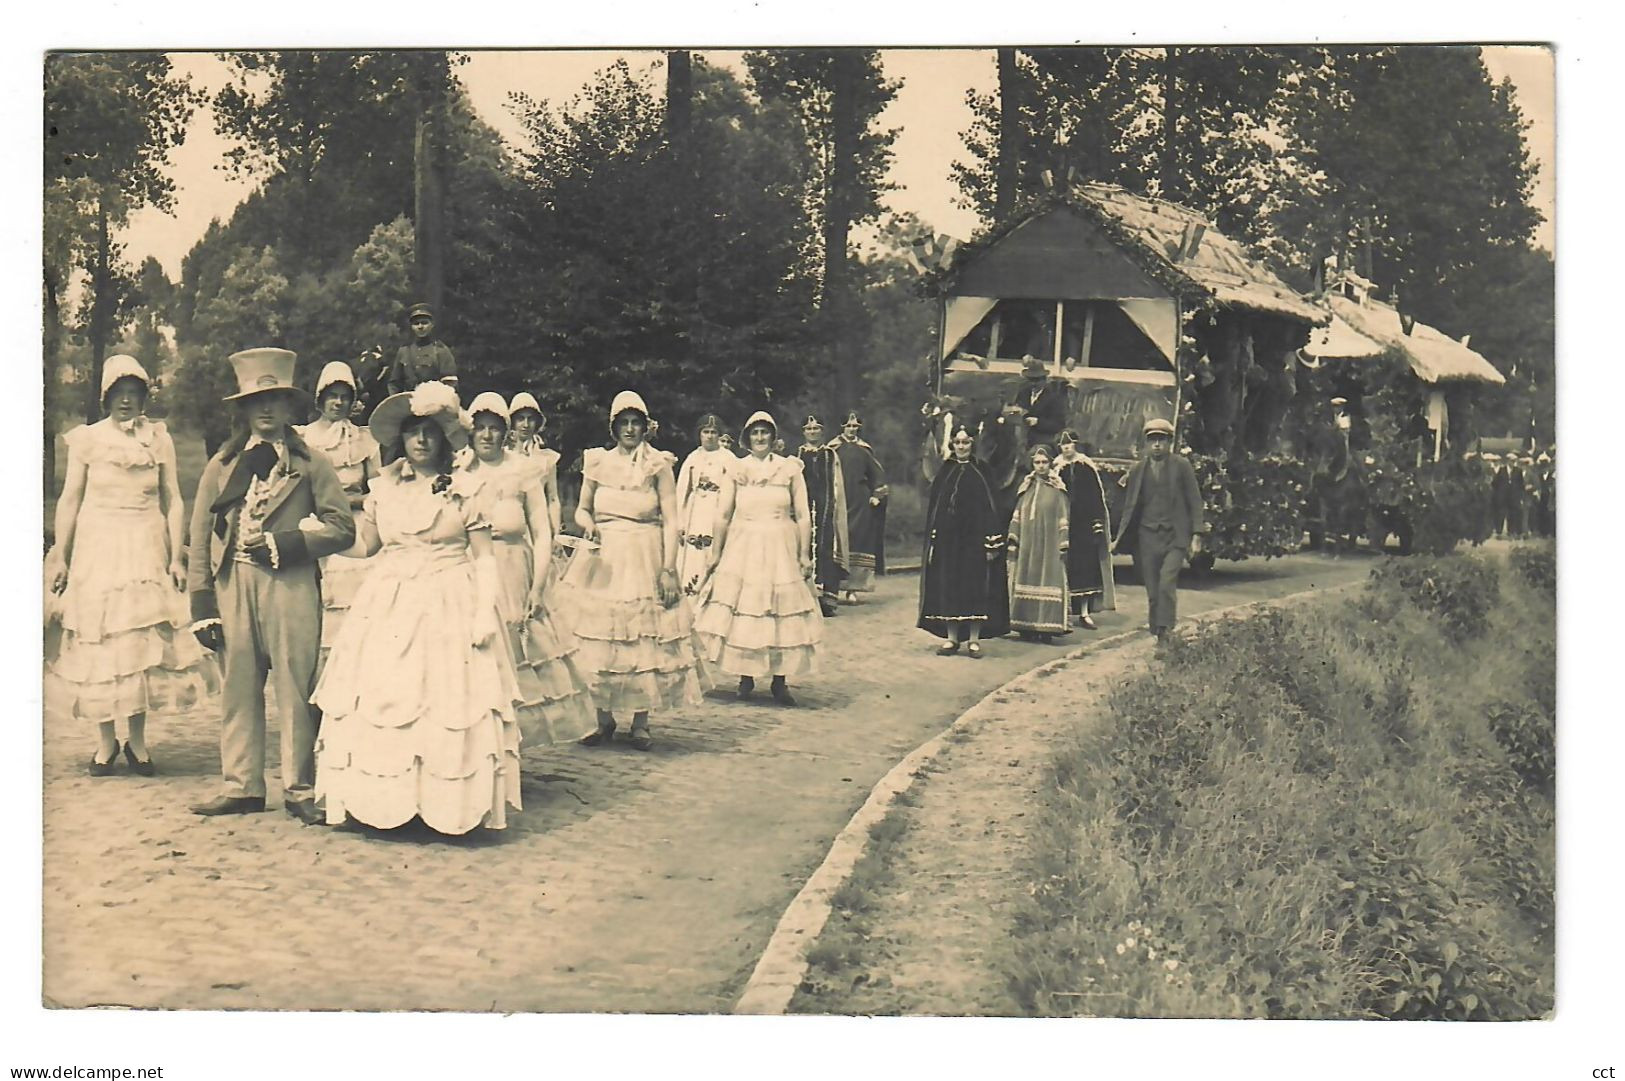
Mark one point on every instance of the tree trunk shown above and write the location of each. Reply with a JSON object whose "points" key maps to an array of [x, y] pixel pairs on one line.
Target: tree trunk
{"points": [[1170, 126], [1008, 177], [679, 96], [684, 198], [838, 206], [100, 317], [429, 213]]}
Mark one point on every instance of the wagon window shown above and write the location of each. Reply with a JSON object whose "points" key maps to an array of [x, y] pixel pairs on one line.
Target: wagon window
{"points": [[1114, 341], [1012, 330]]}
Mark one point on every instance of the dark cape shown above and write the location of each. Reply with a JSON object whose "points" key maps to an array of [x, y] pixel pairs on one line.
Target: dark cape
{"points": [[865, 522], [826, 504], [1089, 559], [958, 583]]}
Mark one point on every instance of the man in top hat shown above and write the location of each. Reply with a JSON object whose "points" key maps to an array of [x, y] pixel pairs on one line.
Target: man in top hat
{"points": [[1043, 400], [826, 505], [425, 358], [1161, 517], [266, 510]]}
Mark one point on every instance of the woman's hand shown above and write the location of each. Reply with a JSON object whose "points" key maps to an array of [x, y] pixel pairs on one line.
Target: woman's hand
{"points": [[56, 571], [536, 603], [666, 587], [808, 567], [993, 555], [589, 526], [177, 574]]}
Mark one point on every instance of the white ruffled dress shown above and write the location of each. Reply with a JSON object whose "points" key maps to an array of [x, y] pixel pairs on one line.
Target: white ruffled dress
{"points": [[699, 491], [638, 655], [348, 448], [555, 699], [419, 695], [124, 647], [758, 615]]}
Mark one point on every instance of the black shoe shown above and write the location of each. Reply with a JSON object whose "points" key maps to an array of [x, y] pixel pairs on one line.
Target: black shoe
{"points": [[306, 811], [829, 610], [230, 805], [598, 737], [145, 769], [781, 693], [747, 686], [641, 740], [104, 769], [1086, 623]]}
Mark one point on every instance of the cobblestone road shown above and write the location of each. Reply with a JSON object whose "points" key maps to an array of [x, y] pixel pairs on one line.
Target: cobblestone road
{"points": [[630, 882]]}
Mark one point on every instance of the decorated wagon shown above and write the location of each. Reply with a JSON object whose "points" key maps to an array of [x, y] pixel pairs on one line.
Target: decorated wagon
{"points": [[1405, 395], [1099, 309]]}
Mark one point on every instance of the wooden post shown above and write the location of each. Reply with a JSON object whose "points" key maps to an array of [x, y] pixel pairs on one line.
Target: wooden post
{"points": [[1060, 314]]}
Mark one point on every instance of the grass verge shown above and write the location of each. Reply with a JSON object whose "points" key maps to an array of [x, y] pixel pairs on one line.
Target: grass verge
{"points": [[1342, 811]]}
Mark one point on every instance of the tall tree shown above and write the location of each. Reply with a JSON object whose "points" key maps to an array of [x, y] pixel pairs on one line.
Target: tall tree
{"points": [[111, 121], [839, 95], [1009, 162]]}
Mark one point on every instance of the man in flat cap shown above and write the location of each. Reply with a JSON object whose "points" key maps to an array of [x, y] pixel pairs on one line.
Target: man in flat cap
{"points": [[1161, 516], [424, 359], [266, 510]]}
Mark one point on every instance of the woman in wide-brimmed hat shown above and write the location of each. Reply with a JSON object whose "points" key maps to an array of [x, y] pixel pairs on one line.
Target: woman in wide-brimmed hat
{"points": [[117, 576], [700, 485], [758, 614], [353, 453], [508, 496], [624, 600], [418, 696]]}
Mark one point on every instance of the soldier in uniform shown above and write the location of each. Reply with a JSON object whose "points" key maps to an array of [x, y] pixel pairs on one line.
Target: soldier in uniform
{"points": [[424, 359]]}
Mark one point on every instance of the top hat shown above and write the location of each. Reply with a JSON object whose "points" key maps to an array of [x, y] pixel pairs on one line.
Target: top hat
{"points": [[260, 371]]}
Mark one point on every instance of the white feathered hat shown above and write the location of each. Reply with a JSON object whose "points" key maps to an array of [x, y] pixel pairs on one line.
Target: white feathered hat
{"points": [[122, 366], [435, 400]]}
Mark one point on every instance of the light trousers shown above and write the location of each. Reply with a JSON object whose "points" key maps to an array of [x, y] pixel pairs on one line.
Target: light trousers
{"points": [[272, 621]]}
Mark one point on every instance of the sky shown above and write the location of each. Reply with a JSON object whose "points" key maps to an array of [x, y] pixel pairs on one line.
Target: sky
{"points": [[929, 112]]}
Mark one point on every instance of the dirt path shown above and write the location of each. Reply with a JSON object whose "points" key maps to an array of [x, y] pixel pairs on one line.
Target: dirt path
{"points": [[629, 882]]}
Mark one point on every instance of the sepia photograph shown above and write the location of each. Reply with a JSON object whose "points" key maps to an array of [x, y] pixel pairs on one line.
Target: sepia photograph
{"points": [[1052, 531]]}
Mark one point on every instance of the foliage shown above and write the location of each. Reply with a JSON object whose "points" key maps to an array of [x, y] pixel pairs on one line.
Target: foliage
{"points": [[1460, 591], [111, 121], [1537, 565], [1301, 815], [683, 280]]}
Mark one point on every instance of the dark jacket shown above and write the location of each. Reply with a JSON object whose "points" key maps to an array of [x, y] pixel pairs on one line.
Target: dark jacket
{"points": [[1187, 503]]}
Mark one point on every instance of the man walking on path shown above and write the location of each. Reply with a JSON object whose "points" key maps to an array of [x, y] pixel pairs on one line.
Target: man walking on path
{"points": [[1162, 514]]}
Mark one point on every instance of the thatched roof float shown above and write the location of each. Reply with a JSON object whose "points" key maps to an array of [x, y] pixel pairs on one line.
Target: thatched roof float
{"points": [[1152, 303], [1433, 355]]}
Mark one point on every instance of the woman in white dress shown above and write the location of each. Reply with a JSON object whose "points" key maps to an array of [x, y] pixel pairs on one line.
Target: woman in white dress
{"points": [[758, 614], [353, 453], [525, 424], [419, 693], [508, 497], [117, 575], [700, 485], [634, 628]]}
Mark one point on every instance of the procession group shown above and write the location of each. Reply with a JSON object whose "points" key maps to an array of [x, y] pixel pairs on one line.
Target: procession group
{"points": [[399, 589]]}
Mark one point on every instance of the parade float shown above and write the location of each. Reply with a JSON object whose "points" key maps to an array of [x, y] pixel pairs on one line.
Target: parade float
{"points": [[1407, 393], [1136, 308]]}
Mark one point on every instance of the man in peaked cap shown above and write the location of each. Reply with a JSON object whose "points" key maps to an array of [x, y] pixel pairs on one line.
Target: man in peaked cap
{"points": [[266, 510], [1161, 517], [425, 358]]}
